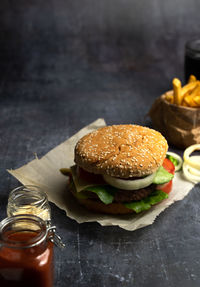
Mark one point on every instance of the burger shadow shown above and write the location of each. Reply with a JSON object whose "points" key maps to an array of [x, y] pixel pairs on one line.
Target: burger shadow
{"points": [[161, 224], [90, 230], [112, 234]]}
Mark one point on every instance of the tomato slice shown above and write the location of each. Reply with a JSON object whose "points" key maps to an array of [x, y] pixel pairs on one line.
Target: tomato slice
{"points": [[88, 176], [169, 166]]}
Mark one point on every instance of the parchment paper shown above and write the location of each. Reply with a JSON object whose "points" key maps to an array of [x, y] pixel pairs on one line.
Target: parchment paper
{"points": [[45, 173], [180, 125]]}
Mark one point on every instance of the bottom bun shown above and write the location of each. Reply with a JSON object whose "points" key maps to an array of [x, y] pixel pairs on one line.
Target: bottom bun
{"points": [[100, 207]]}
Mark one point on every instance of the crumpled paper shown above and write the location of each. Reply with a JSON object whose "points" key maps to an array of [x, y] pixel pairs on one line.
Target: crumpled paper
{"points": [[45, 173], [179, 125]]}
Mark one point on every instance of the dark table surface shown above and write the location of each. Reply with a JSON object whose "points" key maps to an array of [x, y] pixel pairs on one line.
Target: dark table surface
{"points": [[64, 64]]}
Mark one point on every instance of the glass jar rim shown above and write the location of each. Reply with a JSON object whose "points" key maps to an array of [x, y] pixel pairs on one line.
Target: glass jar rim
{"points": [[38, 239], [29, 188]]}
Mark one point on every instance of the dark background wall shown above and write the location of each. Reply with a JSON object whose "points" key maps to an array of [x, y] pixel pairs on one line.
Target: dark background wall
{"points": [[63, 64], [48, 40]]}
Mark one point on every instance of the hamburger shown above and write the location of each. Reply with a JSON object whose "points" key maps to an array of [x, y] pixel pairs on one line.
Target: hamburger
{"points": [[121, 169]]}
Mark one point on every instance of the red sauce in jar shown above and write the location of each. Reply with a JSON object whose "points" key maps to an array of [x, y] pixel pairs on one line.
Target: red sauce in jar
{"points": [[26, 267]]}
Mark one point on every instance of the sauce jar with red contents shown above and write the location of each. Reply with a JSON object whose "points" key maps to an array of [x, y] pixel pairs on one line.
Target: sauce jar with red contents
{"points": [[26, 252]]}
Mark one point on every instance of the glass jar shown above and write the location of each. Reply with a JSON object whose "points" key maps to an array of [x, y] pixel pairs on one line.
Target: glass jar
{"points": [[26, 252], [29, 200], [192, 59]]}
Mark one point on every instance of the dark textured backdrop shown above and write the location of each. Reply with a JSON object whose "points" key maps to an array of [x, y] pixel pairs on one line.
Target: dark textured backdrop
{"points": [[62, 65]]}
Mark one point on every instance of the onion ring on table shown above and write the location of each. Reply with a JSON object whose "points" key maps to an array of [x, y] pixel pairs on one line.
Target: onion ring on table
{"points": [[192, 161], [193, 170], [189, 175], [129, 184]]}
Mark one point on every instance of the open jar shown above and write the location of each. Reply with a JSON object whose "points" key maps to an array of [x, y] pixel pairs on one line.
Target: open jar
{"points": [[26, 252], [29, 200]]}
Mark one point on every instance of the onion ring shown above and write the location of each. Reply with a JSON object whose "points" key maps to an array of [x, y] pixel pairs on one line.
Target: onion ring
{"points": [[127, 184], [189, 175], [192, 161]]}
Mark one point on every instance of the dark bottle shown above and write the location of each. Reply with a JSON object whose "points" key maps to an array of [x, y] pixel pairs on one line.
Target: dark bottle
{"points": [[192, 59]]}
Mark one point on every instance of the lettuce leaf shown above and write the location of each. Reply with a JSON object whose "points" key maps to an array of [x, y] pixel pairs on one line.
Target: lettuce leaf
{"points": [[144, 204], [172, 159], [104, 192], [106, 195], [162, 176]]}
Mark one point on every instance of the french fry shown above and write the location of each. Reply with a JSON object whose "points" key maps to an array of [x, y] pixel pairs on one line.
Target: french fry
{"points": [[196, 91], [188, 95], [184, 104], [169, 98], [188, 89], [177, 91], [192, 79], [196, 99], [189, 101]]}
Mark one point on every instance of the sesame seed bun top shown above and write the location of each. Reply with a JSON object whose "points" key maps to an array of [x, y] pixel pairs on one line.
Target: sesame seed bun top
{"points": [[121, 151]]}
